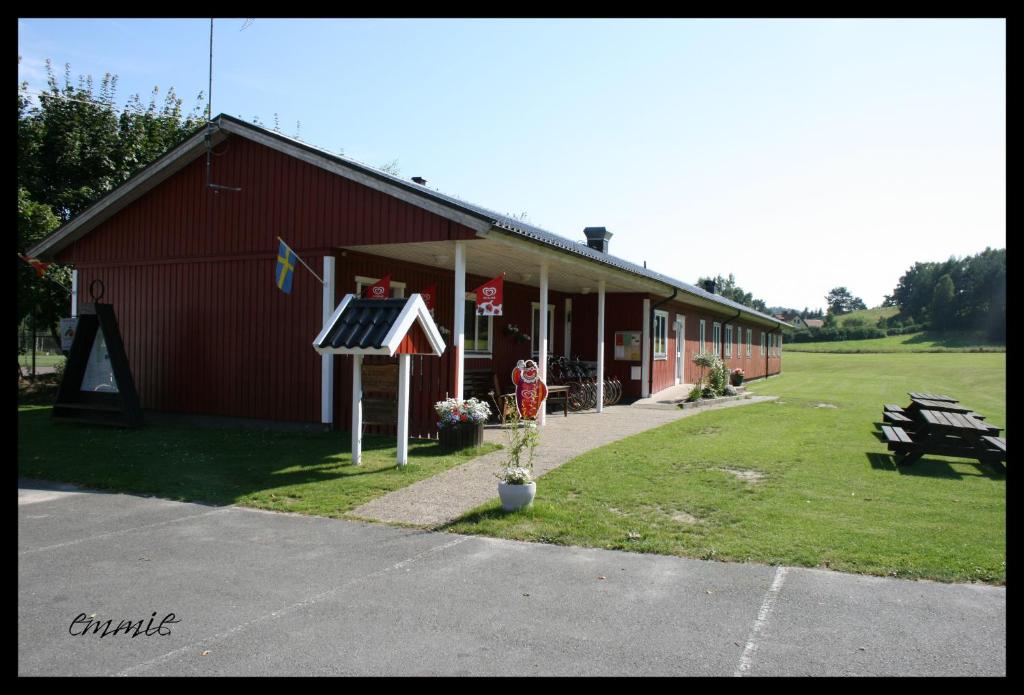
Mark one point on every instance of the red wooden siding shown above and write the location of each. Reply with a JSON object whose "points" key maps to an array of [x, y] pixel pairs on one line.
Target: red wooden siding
{"points": [[414, 342], [308, 207]]}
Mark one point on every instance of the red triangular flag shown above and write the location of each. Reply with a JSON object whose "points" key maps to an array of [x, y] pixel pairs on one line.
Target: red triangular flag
{"points": [[490, 296], [37, 264], [428, 295], [380, 289]]}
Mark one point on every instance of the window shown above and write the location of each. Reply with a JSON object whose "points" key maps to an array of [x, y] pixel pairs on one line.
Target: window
{"points": [[739, 341], [762, 343], [702, 348], [750, 339], [535, 329], [728, 341], [478, 329], [397, 288], [779, 353], [716, 336], [660, 335]]}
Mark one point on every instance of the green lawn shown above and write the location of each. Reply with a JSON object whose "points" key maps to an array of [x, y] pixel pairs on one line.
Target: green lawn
{"points": [[829, 494], [308, 473], [41, 360], [870, 316], [912, 342]]}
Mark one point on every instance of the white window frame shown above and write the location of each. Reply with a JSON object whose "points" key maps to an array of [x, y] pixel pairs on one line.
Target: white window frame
{"points": [[716, 337], [750, 341], [397, 288], [703, 337], [764, 342], [535, 329], [739, 341], [728, 341], [471, 316], [661, 317]]}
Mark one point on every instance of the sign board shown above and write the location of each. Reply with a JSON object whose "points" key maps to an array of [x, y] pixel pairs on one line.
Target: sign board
{"points": [[67, 333], [628, 345]]}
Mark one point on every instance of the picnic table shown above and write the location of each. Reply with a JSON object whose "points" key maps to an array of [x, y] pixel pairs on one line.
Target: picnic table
{"points": [[940, 427]]}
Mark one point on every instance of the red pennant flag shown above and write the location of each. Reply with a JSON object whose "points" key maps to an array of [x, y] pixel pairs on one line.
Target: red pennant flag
{"points": [[380, 289], [37, 264], [490, 296], [428, 295]]}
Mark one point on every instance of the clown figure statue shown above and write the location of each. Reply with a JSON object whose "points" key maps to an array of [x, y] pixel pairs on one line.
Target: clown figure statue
{"points": [[530, 389]]}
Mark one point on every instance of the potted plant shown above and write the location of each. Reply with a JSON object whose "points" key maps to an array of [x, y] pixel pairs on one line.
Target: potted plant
{"points": [[516, 486], [460, 424], [736, 377]]}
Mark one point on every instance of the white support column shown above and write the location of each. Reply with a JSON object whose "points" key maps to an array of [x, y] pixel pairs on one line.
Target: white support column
{"points": [[357, 409], [645, 368], [542, 356], [327, 360], [459, 330], [600, 345], [403, 409], [74, 293], [568, 327]]}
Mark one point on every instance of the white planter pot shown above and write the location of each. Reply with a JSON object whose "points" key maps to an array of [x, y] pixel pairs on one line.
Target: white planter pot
{"points": [[515, 497]]}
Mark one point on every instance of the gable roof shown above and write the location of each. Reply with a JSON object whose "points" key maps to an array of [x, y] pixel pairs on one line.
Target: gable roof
{"points": [[476, 217], [376, 326]]}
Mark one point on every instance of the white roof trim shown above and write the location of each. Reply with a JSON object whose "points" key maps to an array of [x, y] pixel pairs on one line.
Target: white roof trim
{"points": [[128, 192], [415, 310], [322, 335]]}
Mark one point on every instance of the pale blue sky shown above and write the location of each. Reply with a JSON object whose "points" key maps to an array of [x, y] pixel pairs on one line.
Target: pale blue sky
{"points": [[797, 154]]}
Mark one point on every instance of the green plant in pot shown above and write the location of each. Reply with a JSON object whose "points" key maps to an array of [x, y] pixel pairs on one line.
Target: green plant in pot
{"points": [[516, 486]]}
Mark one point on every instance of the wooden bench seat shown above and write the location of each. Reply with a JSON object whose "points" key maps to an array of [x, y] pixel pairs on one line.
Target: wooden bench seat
{"points": [[892, 408], [898, 418], [896, 435]]}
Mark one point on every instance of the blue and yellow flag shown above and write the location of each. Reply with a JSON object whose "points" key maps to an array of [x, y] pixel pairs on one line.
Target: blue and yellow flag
{"points": [[285, 268]]}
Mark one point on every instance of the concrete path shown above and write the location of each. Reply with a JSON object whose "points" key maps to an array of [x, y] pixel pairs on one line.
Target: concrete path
{"points": [[449, 495], [266, 594]]}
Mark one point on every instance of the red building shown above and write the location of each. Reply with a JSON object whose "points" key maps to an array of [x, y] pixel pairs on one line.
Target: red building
{"points": [[189, 269]]}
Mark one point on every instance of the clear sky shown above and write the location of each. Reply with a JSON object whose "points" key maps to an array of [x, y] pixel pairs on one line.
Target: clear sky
{"points": [[799, 155]]}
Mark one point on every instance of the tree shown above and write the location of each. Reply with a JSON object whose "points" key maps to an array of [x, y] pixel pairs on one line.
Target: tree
{"points": [[73, 147], [840, 301], [941, 309], [728, 288]]}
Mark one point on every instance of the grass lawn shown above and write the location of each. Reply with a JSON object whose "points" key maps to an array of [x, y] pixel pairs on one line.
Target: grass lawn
{"points": [[307, 473], [41, 360], [912, 342], [870, 316], [824, 493]]}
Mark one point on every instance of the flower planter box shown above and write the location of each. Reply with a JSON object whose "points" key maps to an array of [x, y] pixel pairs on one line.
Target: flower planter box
{"points": [[460, 437]]}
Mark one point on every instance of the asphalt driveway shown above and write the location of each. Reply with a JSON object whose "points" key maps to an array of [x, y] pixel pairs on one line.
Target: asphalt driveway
{"points": [[257, 593]]}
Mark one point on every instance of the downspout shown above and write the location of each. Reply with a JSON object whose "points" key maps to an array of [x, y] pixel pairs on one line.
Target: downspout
{"points": [[650, 372]]}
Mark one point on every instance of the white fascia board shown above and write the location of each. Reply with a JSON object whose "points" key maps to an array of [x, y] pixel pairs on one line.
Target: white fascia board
{"points": [[322, 336], [351, 173], [354, 351], [415, 310], [130, 191]]}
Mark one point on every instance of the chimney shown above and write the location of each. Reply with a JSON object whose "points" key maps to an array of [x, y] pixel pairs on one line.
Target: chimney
{"points": [[420, 180], [709, 286], [597, 238]]}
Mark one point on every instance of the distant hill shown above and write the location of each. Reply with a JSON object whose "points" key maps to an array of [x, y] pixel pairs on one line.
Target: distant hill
{"points": [[870, 316]]}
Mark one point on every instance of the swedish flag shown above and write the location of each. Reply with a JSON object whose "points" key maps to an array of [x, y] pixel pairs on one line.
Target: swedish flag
{"points": [[285, 268]]}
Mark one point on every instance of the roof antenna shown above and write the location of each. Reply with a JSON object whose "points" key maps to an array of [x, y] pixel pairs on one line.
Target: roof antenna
{"points": [[209, 124]]}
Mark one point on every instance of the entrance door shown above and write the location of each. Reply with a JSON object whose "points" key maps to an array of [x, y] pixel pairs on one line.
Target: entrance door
{"points": [[680, 347]]}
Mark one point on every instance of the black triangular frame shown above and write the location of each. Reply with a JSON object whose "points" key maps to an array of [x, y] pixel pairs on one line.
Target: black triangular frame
{"points": [[121, 408]]}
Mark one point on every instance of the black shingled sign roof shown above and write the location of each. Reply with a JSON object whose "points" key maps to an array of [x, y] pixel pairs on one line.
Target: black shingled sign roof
{"points": [[364, 324]]}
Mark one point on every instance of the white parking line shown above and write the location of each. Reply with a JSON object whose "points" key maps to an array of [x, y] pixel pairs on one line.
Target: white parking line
{"points": [[747, 659], [194, 646], [121, 531]]}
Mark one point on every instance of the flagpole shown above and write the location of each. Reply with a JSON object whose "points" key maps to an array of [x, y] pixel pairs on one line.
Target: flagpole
{"points": [[301, 261]]}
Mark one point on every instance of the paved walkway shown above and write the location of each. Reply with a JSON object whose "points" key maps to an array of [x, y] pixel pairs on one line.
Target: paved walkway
{"points": [[445, 497]]}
